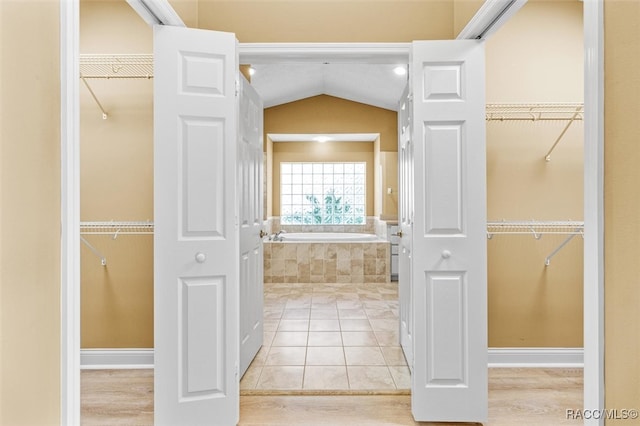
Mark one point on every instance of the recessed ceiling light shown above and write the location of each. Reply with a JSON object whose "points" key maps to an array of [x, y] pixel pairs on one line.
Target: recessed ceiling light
{"points": [[252, 71], [321, 139], [400, 70]]}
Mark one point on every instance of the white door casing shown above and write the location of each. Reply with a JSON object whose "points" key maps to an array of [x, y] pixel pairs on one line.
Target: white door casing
{"points": [[196, 227], [250, 192], [449, 380], [405, 219]]}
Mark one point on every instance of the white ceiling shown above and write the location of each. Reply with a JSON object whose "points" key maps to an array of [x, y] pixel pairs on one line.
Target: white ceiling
{"points": [[372, 84]]}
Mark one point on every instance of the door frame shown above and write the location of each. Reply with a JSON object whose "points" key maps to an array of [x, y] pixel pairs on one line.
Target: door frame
{"points": [[366, 53]]}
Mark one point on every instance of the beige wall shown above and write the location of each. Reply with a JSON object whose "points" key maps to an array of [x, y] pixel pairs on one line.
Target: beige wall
{"points": [[327, 114], [30, 213], [329, 21], [622, 206], [531, 305], [116, 183], [463, 11], [539, 307], [29, 239]]}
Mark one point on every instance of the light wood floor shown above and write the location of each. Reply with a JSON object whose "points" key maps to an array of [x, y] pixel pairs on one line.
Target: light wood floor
{"points": [[516, 397]]}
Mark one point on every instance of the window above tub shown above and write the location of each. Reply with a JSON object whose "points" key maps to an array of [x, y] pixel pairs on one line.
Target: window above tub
{"points": [[323, 193]]}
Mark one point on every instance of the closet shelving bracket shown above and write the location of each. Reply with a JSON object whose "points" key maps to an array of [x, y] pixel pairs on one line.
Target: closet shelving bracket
{"points": [[538, 229], [113, 229], [114, 66], [570, 112]]}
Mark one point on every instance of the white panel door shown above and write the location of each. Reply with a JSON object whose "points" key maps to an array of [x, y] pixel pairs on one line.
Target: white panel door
{"points": [[405, 219], [196, 227], [250, 191], [449, 380]]}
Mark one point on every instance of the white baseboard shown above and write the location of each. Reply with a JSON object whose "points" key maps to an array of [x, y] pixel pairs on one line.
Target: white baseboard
{"points": [[536, 357], [498, 358], [104, 359]]}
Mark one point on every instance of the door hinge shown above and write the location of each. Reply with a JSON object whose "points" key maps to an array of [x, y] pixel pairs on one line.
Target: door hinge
{"points": [[237, 87]]}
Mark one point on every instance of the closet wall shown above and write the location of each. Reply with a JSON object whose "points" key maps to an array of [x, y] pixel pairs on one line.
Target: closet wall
{"points": [[116, 184], [531, 304]]}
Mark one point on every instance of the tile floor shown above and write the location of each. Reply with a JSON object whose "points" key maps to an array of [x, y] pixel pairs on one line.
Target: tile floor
{"points": [[329, 337]]}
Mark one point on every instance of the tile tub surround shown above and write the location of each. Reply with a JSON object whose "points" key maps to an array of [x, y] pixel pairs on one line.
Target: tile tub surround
{"points": [[335, 262]]}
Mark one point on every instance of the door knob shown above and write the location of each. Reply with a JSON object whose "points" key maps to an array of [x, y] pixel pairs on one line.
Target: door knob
{"points": [[446, 254], [397, 234], [263, 234], [200, 257]]}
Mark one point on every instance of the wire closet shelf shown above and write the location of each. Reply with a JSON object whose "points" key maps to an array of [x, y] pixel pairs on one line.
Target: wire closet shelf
{"points": [[116, 228], [537, 229], [112, 66]]}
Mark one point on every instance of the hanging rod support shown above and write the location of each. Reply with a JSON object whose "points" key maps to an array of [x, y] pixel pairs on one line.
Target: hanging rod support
{"points": [[103, 260], [547, 260], [547, 157], [95, 98]]}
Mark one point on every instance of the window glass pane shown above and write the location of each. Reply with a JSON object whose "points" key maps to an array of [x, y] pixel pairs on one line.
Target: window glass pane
{"points": [[322, 193]]}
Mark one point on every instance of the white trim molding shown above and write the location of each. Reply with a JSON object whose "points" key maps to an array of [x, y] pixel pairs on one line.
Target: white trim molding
{"points": [[94, 359], [282, 53], [104, 359], [594, 339], [70, 213], [492, 15], [536, 357]]}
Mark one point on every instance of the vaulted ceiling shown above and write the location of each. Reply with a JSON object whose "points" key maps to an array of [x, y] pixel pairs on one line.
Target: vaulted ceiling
{"points": [[372, 84]]}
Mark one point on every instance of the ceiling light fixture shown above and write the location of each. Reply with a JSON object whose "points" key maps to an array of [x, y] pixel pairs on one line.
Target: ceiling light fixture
{"points": [[252, 70], [322, 139], [400, 70]]}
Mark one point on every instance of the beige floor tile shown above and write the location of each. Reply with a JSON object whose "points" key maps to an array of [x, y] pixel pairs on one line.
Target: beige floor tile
{"points": [[286, 355], [394, 356], [267, 337], [359, 338], [381, 314], [281, 378], [326, 378], [363, 355], [324, 325], [354, 303], [325, 355], [297, 313], [251, 376], [273, 313], [373, 378], [293, 325], [325, 338], [352, 314], [387, 338], [271, 325], [355, 325], [261, 356], [384, 324], [375, 304], [401, 376], [290, 338], [324, 314]]}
